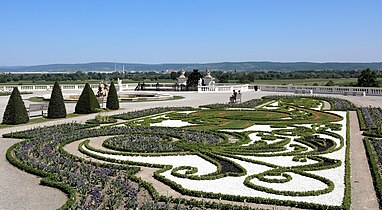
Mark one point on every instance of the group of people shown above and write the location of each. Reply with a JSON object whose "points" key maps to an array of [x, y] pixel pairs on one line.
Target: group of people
{"points": [[235, 95], [140, 86]]}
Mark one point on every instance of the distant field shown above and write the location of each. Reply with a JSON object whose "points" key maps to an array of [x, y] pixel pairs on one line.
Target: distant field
{"points": [[339, 82], [320, 82]]}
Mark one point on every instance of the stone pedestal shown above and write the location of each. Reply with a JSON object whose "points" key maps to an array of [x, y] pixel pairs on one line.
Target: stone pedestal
{"points": [[181, 80], [208, 80]]}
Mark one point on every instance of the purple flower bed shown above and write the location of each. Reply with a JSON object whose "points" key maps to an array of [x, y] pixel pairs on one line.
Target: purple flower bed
{"points": [[97, 186], [369, 121], [378, 148], [89, 180], [146, 112], [141, 143], [247, 104]]}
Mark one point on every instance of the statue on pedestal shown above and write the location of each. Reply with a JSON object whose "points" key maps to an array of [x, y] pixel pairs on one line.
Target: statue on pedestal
{"points": [[208, 80], [181, 81], [103, 89]]}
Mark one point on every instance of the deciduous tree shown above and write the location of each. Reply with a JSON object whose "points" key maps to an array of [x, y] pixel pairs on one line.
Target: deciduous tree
{"points": [[367, 78]]}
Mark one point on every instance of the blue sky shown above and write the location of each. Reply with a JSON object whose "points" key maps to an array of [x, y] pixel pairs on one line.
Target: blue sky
{"points": [[196, 31]]}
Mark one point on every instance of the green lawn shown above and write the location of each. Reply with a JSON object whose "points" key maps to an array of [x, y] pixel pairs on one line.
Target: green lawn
{"points": [[320, 82]]}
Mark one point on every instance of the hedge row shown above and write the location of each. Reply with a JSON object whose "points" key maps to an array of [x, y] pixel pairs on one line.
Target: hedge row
{"points": [[374, 168]]}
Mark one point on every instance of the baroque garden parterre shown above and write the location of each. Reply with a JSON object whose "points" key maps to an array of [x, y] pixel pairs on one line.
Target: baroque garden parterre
{"points": [[276, 150]]}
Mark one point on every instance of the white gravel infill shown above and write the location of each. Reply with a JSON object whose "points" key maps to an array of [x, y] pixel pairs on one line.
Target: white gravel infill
{"points": [[235, 186], [271, 108], [286, 118], [262, 128], [186, 112], [280, 160], [253, 137], [240, 109], [298, 183], [119, 125], [276, 103], [204, 167], [171, 123], [159, 117]]}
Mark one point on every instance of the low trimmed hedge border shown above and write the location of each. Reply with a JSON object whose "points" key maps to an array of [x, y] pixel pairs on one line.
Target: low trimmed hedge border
{"points": [[374, 168]]}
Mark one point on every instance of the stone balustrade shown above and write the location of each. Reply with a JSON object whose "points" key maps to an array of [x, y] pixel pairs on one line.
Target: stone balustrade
{"points": [[360, 91]]}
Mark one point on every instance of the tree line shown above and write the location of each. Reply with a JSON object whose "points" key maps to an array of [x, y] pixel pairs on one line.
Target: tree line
{"points": [[221, 76]]}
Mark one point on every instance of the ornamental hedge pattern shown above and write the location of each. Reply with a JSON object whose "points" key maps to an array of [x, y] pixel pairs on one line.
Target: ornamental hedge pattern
{"points": [[279, 150]]}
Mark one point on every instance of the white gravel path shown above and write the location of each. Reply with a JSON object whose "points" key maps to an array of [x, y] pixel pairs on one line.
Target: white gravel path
{"points": [[172, 123], [204, 167]]}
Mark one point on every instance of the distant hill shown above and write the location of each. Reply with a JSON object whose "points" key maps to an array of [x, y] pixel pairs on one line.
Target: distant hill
{"points": [[224, 66]]}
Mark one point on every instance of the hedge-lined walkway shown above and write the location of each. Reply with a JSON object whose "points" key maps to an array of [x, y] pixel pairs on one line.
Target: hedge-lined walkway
{"points": [[362, 192]]}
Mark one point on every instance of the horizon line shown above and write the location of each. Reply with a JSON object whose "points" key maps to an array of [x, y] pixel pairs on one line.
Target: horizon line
{"points": [[193, 63]]}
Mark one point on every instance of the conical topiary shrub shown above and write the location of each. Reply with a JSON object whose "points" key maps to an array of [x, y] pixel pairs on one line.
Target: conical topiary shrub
{"points": [[87, 103], [56, 107], [112, 98], [15, 112]]}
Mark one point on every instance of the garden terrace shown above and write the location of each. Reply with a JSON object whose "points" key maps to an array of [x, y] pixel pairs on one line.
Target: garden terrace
{"points": [[286, 152]]}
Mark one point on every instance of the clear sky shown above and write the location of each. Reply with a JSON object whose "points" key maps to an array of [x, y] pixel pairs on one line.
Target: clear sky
{"points": [[181, 31]]}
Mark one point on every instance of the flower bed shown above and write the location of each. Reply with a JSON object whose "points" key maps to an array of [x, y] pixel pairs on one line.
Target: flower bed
{"points": [[375, 159]]}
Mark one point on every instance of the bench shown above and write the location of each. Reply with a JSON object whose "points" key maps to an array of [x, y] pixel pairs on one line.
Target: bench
{"points": [[36, 108]]}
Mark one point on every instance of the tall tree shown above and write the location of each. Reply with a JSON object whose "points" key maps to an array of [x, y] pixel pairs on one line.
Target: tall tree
{"points": [[56, 107], [87, 103], [367, 78], [112, 98], [15, 112], [193, 79]]}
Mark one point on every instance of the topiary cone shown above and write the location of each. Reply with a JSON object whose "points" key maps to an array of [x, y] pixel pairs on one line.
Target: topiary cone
{"points": [[56, 107], [15, 112], [87, 103], [112, 98]]}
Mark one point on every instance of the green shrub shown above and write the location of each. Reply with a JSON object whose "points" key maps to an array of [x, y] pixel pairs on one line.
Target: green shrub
{"points": [[87, 103], [112, 98], [56, 107], [15, 112]]}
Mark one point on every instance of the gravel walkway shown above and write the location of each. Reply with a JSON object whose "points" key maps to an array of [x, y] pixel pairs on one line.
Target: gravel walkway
{"points": [[363, 194], [20, 190], [327, 106]]}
